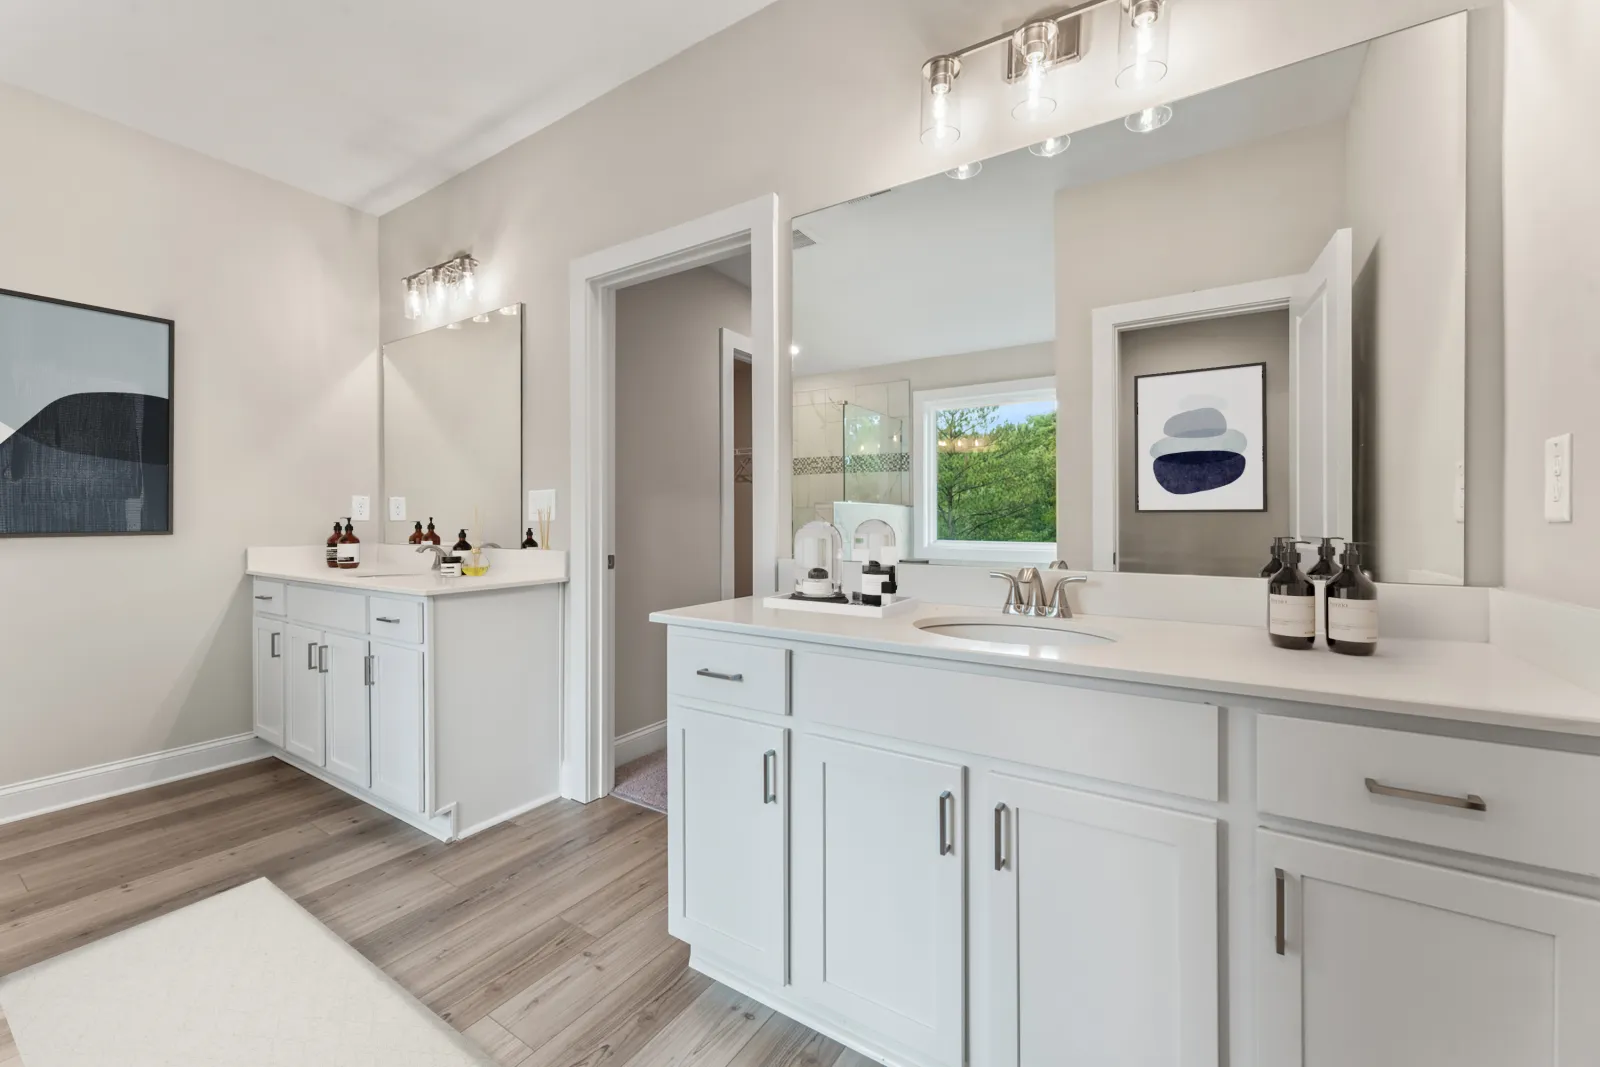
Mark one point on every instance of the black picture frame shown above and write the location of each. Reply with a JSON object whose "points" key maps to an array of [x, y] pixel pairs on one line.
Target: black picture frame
{"points": [[1138, 505], [172, 421]]}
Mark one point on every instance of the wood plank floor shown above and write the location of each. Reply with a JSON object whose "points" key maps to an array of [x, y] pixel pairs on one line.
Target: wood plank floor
{"points": [[544, 939]]}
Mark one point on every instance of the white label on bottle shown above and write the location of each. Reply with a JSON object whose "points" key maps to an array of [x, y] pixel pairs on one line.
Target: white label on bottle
{"points": [[1292, 616], [872, 584], [349, 555], [1355, 621]]}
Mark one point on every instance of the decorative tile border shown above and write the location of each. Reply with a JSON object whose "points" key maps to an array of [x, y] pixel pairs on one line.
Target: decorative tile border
{"points": [[882, 463], [818, 465]]}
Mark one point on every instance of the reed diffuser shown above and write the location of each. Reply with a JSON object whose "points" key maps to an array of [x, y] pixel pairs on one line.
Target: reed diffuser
{"points": [[544, 527]]}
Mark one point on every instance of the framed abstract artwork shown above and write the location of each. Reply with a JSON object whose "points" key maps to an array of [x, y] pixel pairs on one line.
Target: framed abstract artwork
{"points": [[85, 419], [1200, 439]]}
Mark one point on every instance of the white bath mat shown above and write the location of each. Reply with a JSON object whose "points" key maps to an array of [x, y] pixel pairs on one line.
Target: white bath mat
{"points": [[245, 978]]}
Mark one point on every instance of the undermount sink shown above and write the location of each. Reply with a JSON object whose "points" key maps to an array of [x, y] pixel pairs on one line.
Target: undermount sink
{"points": [[1019, 633]]}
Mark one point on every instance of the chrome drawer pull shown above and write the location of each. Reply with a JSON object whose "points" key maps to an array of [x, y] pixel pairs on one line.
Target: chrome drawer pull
{"points": [[1471, 802], [382, 618], [1280, 943], [273, 642], [947, 803], [769, 776], [1000, 859], [311, 657], [260, 597], [707, 672]]}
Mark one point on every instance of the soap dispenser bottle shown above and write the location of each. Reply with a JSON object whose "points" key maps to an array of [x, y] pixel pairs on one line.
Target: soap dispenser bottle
{"points": [[349, 548], [1326, 563], [416, 536], [462, 544], [333, 545], [1276, 561], [432, 536], [1291, 601], [1351, 607], [529, 541]]}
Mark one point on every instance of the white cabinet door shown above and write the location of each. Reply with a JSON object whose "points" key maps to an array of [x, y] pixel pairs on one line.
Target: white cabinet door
{"points": [[346, 674], [397, 725], [303, 707], [267, 668], [1382, 962], [727, 826], [1103, 928], [879, 893]]}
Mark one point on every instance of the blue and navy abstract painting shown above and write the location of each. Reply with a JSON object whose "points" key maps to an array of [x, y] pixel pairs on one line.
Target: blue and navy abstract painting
{"points": [[1207, 429]]}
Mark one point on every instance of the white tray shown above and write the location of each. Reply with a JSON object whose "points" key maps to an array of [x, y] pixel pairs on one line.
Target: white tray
{"points": [[860, 611]]}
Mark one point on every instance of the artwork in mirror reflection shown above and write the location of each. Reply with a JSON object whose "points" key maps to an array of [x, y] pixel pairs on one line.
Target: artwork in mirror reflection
{"points": [[1302, 223], [452, 430]]}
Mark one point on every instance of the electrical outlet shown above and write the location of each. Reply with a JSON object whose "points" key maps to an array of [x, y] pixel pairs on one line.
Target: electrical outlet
{"points": [[541, 499], [397, 508], [1558, 479], [1461, 491], [360, 508]]}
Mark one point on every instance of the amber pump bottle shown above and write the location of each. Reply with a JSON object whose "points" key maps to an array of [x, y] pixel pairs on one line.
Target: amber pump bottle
{"points": [[432, 536], [349, 548], [333, 545], [416, 536], [461, 545], [1291, 601], [529, 541], [1351, 607]]}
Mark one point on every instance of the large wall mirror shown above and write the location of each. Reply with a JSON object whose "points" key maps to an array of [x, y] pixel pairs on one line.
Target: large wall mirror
{"points": [[1159, 343], [452, 430]]}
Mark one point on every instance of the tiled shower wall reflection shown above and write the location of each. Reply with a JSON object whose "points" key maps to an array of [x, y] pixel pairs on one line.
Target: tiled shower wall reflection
{"points": [[851, 444]]}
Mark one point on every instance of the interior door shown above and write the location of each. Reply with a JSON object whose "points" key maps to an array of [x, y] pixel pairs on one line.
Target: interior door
{"points": [[1103, 928], [879, 893], [729, 780], [346, 676], [267, 666], [1366, 959], [303, 727], [1321, 424], [398, 700]]}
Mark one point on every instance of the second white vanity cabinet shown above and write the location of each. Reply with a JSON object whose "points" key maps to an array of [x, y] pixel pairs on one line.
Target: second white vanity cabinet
{"points": [[267, 672]]}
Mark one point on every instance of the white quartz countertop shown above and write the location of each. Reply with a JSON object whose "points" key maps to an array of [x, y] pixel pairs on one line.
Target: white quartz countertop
{"points": [[387, 570], [1457, 680]]}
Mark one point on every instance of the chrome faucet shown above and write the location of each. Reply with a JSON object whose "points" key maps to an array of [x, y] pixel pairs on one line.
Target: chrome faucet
{"points": [[1059, 607], [1025, 593], [438, 554]]}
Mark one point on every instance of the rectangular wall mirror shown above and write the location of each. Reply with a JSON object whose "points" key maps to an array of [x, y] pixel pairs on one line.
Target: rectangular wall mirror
{"points": [[1157, 344], [452, 430]]}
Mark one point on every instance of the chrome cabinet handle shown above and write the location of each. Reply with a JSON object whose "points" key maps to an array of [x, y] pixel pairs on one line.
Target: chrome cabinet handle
{"points": [[322, 659], [1280, 942], [947, 802], [272, 644], [382, 619], [707, 672], [260, 597], [311, 657], [366, 669], [1001, 860], [769, 776], [1471, 802]]}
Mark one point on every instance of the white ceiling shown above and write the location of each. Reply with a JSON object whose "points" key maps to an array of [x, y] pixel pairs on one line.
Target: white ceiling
{"points": [[938, 267], [367, 102]]}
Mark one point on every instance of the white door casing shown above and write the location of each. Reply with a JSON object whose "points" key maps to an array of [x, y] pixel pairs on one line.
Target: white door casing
{"points": [[735, 347]]}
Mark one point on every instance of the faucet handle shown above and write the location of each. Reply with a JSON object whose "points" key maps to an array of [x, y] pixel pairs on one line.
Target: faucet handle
{"points": [[1060, 607], [1058, 565], [1013, 604]]}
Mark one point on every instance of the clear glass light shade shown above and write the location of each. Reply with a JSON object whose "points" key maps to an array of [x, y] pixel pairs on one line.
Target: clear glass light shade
{"points": [[965, 171], [1033, 96], [414, 298], [509, 309], [1142, 44], [1050, 146], [941, 103], [467, 280], [1151, 118]]}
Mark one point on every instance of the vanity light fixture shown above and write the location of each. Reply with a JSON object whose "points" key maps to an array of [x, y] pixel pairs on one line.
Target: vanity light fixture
{"points": [[1050, 147], [1035, 43], [1151, 118], [941, 104], [1142, 43], [509, 309], [441, 287], [965, 171], [794, 350], [481, 317]]}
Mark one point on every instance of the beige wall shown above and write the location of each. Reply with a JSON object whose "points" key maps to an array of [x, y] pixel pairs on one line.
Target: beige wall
{"points": [[1552, 291], [1230, 543], [745, 113], [1406, 186], [115, 647], [452, 432], [1264, 210], [668, 460]]}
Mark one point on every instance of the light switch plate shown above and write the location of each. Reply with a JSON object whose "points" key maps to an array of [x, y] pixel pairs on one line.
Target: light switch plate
{"points": [[541, 498], [1558, 478], [397, 508], [360, 508]]}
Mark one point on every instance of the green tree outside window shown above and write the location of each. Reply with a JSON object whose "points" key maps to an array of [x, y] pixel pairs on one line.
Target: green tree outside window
{"points": [[997, 476]]}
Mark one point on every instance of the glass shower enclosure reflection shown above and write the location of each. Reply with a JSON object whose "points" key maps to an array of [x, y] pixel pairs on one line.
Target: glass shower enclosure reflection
{"points": [[866, 459]]}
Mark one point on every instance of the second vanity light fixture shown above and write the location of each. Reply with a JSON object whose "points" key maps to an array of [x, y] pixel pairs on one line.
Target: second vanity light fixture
{"points": [[441, 287], [1033, 51]]}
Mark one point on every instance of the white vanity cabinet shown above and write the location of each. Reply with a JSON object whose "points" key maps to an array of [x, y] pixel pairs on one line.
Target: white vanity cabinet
{"points": [[1368, 959], [1102, 927], [268, 669], [879, 892], [397, 723]]}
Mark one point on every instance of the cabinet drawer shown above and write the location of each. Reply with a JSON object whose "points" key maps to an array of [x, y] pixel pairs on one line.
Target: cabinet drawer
{"points": [[396, 620], [1417, 787], [755, 677], [329, 608], [268, 597]]}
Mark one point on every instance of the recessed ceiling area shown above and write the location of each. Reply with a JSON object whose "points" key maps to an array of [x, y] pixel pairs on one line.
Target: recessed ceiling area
{"points": [[940, 267], [366, 102]]}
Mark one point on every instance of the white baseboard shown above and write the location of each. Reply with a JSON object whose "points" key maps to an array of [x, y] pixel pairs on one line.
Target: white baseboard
{"points": [[640, 743], [71, 788]]}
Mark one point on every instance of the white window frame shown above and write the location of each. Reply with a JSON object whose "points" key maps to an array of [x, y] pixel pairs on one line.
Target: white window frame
{"points": [[926, 405]]}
